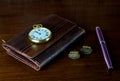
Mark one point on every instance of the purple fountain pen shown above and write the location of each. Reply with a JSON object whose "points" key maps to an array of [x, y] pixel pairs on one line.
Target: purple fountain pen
{"points": [[104, 48]]}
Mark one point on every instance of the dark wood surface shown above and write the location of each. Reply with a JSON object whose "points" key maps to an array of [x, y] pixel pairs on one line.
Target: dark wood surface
{"points": [[15, 15]]}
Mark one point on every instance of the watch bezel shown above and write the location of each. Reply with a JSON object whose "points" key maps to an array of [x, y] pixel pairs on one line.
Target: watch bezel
{"points": [[39, 41]]}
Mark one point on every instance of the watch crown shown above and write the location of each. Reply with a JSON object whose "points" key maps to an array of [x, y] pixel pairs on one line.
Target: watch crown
{"points": [[37, 25]]}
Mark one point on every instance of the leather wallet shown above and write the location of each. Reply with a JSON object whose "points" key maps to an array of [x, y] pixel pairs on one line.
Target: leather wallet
{"points": [[64, 33]]}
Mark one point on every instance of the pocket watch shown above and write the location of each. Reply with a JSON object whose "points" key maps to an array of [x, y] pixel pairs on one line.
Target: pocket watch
{"points": [[39, 34]]}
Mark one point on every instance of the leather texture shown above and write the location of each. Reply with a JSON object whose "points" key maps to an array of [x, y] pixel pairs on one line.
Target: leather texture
{"points": [[64, 33]]}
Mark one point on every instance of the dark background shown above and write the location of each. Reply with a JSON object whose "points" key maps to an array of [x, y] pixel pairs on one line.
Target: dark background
{"points": [[15, 15]]}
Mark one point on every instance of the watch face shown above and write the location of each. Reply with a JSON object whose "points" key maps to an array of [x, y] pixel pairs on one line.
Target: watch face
{"points": [[40, 35]]}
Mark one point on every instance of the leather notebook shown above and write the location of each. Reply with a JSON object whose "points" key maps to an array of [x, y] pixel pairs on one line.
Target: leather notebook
{"points": [[64, 33]]}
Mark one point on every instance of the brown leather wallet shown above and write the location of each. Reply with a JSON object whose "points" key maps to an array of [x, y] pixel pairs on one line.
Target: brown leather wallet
{"points": [[64, 33]]}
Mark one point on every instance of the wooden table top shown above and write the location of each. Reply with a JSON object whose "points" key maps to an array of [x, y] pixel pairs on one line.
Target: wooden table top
{"points": [[15, 15]]}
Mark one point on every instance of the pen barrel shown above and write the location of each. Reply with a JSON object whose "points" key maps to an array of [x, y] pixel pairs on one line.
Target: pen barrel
{"points": [[106, 55], [104, 48]]}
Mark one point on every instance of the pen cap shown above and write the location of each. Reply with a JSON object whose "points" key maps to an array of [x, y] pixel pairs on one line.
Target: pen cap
{"points": [[99, 34]]}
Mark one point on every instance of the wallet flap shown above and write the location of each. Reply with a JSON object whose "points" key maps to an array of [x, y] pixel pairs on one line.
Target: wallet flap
{"points": [[59, 27]]}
